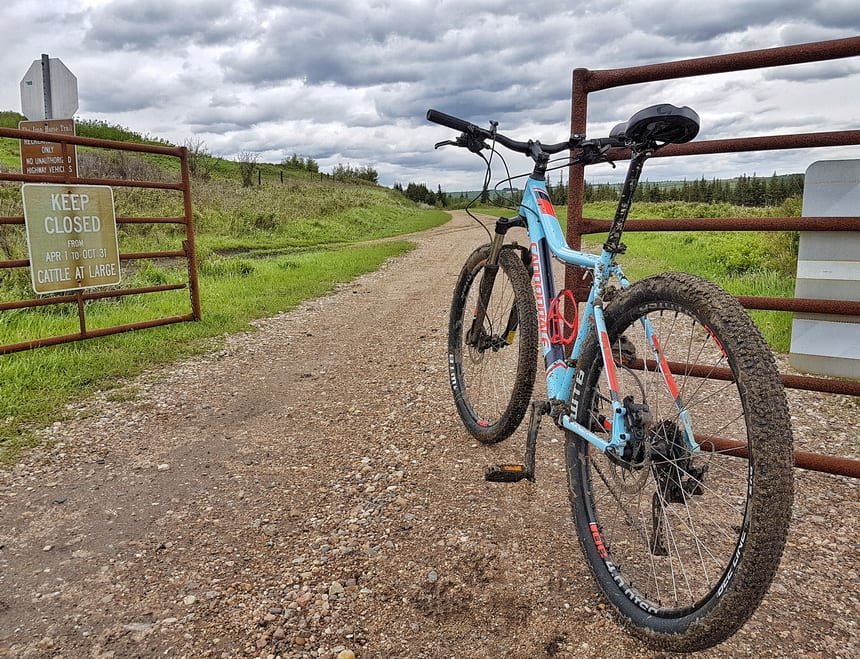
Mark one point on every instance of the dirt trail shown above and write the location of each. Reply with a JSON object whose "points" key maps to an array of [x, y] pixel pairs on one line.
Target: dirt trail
{"points": [[308, 490]]}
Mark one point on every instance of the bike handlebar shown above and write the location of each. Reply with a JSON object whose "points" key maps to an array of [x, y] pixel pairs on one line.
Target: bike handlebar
{"points": [[452, 122], [473, 136], [649, 129]]}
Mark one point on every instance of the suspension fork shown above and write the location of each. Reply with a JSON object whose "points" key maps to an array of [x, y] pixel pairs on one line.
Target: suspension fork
{"points": [[488, 279]]}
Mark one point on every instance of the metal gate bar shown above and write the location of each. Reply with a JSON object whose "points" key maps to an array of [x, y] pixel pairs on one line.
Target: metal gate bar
{"points": [[79, 297], [586, 81], [802, 459]]}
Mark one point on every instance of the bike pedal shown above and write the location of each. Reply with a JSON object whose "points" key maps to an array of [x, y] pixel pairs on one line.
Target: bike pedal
{"points": [[506, 473]]}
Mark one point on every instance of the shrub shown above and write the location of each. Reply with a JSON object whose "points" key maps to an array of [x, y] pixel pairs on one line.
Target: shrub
{"points": [[247, 162]]}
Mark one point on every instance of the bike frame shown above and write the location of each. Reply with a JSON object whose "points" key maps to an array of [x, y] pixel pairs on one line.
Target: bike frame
{"points": [[564, 378]]}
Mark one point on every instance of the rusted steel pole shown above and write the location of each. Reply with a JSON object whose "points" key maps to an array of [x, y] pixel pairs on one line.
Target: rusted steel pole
{"points": [[188, 244], [753, 59], [573, 276], [802, 459], [18, 134], [90, 334], [592, 225], [78, 180], [801, 305], [765, 143], [62, 299], [806, 383]]}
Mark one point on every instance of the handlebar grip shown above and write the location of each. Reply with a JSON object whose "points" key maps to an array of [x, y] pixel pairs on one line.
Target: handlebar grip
{"points": [[451, 122]]}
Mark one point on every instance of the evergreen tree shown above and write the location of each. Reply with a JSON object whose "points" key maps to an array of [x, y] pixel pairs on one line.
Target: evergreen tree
{"points": [[441, 197]]}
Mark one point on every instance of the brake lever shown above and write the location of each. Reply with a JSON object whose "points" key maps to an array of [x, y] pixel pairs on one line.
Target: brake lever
{"points": [[591, 155], [474, 144], [603, 151]]}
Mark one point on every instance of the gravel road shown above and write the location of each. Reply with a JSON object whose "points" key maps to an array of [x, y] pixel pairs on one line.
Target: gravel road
{"points": [[308, 492]]}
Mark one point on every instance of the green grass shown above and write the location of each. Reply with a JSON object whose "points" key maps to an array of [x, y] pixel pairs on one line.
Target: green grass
{"points": [[37, 384], [261, 250], [10, 155]]}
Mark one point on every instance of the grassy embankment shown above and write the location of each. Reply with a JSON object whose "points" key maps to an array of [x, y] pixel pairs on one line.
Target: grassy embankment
{"points": [[261, 250]]}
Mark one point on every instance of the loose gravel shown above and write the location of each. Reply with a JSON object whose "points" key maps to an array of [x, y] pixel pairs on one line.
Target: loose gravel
{"points": [[307, 491]]}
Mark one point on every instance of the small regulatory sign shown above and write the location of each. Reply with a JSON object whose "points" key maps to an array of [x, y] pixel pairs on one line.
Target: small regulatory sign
{"points": [[46, 158], [71, 236]]}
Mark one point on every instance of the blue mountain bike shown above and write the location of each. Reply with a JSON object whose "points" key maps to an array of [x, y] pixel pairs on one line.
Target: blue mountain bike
{"points": [[678, 437]]}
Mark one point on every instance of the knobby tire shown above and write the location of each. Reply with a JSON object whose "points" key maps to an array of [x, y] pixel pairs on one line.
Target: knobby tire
{"points": [[492, 382], [685, 557]]}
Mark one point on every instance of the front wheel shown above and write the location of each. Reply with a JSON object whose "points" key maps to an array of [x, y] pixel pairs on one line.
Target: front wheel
{"points": [[683, 542], [492, 366]]}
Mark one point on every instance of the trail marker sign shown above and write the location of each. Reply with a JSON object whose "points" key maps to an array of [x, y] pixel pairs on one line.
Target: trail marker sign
{"points": [[71, 236], [49, 99], [46, 158]]}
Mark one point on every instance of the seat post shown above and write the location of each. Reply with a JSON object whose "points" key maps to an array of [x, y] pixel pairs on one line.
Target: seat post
{"points": [[613, 243]]}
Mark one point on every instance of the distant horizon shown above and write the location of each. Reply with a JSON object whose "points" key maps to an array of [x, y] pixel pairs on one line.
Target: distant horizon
{"points": [[552, 176], [619, 183]]}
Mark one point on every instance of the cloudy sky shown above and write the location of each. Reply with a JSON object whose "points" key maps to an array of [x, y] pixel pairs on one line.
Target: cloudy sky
{"points": [[349, 81]]}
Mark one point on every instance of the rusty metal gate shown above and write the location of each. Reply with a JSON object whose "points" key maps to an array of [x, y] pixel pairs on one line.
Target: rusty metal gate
{"points": [[586, 81], [80, 297]]}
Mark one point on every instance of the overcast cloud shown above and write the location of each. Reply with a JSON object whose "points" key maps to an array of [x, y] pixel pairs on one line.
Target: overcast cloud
{"points": [[350, 82]]}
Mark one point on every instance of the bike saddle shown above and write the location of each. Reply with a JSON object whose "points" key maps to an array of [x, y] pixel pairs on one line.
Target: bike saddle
{"points": [[619, 132], [664, 123]]}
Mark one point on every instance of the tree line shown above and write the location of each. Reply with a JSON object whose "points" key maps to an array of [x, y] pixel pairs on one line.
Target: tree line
{"points": [[355, 174], [421, 194], [742, 191]]}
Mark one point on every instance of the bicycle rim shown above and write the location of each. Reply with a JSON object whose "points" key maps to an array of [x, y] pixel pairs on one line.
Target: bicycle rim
{"points": [[492, 377], [685, 544]]}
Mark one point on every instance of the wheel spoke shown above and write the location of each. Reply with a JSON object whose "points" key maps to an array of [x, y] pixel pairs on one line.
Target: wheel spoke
{"points": [[491, 378], [675, 524]]}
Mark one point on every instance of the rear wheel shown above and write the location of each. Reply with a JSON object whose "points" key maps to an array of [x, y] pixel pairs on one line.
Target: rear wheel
{"points": [[492, 367], [684, 543]]}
